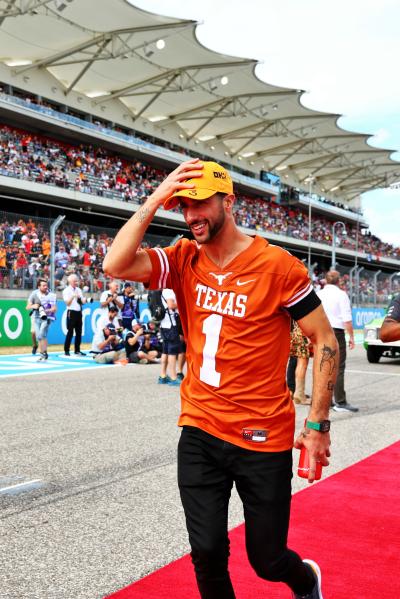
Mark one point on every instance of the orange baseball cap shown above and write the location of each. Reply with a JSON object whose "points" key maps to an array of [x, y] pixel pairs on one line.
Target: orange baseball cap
{"points": [[215, 179]]}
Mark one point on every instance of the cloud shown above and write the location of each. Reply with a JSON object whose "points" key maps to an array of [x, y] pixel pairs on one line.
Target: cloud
{"points": [[344, 53], [382, 211]]}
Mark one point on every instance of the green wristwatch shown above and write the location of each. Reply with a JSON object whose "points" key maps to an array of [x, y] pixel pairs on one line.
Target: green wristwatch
{"points": [[323, 427]]}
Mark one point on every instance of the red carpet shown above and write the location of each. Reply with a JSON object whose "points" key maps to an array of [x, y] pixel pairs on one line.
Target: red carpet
{"points": [[349, 523]]}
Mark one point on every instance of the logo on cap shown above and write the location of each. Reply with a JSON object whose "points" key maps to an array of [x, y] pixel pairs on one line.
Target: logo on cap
{"points": [[219, 175]]}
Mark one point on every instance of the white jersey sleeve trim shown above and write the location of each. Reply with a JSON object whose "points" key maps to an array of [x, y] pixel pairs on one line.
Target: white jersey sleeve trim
{"points": [[297, 297], [164, 268]]}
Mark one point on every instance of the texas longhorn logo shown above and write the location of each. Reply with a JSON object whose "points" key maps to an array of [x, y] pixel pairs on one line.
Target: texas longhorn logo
{"points": [[220, 278]]}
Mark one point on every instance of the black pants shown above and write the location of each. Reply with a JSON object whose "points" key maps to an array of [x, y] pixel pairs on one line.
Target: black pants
{"points": [[74, 323], [339, 392], [207, 469], [291, 373]]}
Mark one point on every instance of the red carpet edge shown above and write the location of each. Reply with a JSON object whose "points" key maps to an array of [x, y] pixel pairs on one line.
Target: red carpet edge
{"points": [[349, 523]]}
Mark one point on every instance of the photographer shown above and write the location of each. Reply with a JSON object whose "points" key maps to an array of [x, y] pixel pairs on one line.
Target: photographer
{"points": [[42, 305], [149, 350], [73, 297], [130, 308], [111, 297], [107, 345], [132, 338]]}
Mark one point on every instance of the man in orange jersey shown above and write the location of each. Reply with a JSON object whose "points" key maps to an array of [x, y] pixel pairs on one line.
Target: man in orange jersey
{"points": [[236, 295]]}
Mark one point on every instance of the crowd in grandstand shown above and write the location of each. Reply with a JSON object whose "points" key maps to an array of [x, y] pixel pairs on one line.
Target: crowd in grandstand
{"points": [[97, 171], [25, 254], [25, 257], [25, 243]]}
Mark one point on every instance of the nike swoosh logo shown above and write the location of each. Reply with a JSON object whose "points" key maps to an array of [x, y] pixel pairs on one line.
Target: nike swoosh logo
{"points": [[240, 283]]}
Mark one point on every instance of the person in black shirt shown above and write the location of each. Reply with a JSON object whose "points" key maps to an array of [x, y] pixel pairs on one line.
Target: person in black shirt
{"points": [[390, 330], [131, 341]]}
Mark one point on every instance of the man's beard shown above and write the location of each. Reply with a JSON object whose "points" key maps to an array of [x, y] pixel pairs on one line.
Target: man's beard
{"points": [[215, 227]]}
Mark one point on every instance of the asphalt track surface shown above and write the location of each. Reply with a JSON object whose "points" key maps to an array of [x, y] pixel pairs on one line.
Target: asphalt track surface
{"points": [[89, 460]]}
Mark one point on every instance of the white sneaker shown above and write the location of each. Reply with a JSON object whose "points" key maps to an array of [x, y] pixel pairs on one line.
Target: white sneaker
{"points": [[316, 593]]}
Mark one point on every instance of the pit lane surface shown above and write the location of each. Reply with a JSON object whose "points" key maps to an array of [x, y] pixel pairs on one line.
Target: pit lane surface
{"points": [[102, 444]]}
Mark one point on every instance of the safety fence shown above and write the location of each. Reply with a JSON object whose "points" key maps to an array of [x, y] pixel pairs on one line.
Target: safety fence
{"points": [[25, 252]]}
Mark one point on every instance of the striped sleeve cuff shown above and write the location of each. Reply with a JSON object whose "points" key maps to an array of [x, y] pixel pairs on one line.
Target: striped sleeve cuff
{"points": [[160, 276], [297, 297]]}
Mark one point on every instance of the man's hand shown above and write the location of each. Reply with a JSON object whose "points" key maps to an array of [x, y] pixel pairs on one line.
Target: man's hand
{"points": [[317, 445], [176, 180], [35, 306], [351, 343]]}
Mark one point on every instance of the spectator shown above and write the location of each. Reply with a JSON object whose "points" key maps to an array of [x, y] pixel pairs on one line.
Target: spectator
{"points": [[74, 299], [171, 343], [300, 349], [337, 306], [61, 258]]}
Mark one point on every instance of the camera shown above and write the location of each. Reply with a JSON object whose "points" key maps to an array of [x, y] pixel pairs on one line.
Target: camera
{"points": [[89, 300], [110, 331], [42, 313]]}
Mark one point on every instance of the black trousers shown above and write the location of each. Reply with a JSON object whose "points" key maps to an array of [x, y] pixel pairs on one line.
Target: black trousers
{"points": [[291, 373], [207, 469], [74, 325], [339, 392]]}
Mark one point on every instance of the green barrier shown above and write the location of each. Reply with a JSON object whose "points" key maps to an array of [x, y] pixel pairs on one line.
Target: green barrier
{"points": [[15, 324]]}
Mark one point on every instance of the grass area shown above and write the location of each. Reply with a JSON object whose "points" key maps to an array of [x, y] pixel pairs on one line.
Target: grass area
{"points": [[7, 351]]}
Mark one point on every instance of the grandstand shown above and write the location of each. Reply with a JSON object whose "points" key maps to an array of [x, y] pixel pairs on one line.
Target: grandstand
{"points": [[99, 100], [74, 142]]}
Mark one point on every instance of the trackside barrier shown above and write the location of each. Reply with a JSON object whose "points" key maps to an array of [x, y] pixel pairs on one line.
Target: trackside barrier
{"points": [[15, 323], [362, 316]]}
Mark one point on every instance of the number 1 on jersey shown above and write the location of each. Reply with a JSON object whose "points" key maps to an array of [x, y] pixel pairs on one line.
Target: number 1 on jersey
{"points": [[211, 329]]}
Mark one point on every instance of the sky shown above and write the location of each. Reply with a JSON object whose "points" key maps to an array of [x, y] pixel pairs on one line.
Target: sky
{"points": [[343, 53]]}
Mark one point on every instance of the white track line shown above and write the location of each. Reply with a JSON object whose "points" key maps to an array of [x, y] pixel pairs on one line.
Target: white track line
{"points": [[373, 372], [58, 371], [24, 484]]}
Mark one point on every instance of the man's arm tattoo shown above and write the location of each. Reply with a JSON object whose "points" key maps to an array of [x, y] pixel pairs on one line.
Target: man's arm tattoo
{"points": [[328, 357], [142, 214], [331, 386]]}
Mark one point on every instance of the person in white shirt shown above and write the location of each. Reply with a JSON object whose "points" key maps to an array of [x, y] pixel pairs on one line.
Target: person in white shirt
{"points": [[169, 329], [111, 297], [337, 306], [74, 299], [107, 345]]}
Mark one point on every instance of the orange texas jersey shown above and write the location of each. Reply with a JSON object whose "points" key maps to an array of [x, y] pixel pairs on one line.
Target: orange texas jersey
{"points": [[237, 333]]}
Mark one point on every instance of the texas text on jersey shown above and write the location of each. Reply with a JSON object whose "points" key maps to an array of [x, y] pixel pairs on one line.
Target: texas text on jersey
{"points": [[236, 353]]}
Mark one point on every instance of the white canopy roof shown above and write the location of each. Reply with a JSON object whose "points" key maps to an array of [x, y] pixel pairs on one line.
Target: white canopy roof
{"points": [[112, 52]]}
